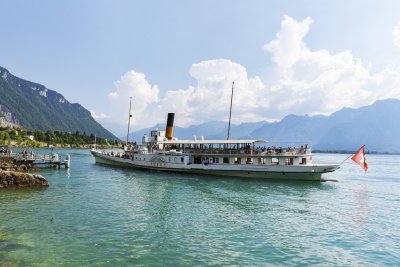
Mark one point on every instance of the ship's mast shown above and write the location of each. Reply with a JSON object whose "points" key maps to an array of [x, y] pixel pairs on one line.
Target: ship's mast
{"points": [[129, 120], [230, 113]]}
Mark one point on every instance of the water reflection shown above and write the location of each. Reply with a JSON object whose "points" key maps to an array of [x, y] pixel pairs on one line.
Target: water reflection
{"points": [[361, 206]]}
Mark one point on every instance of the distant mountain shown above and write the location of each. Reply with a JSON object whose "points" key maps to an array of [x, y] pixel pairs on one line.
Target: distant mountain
{"points": [[376, 126], [292, 130], [208, 130], [35, 107]]}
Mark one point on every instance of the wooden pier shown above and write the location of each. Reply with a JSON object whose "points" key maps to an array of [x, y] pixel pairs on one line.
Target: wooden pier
{"points": [[51, 160]]}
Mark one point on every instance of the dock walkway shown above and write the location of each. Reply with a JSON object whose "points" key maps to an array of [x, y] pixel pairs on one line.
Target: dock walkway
{"points": [[52, 160]]}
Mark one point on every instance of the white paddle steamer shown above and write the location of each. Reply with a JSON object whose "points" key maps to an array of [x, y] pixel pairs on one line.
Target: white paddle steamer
{"points": [[231, 158]]}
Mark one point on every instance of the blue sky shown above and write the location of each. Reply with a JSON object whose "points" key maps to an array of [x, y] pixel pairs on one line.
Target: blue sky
{"points": [[300, 57]]}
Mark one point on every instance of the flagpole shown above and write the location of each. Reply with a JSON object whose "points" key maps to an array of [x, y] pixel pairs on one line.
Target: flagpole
{"points": [[129, 120], [346, 159], [350, 155]]}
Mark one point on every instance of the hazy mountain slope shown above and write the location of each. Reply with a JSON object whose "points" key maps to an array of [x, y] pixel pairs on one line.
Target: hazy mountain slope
{"points": [[292, 130], [376, 126], [209, 130]]}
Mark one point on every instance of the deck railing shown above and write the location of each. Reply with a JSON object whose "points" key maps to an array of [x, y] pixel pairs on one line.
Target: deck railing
{"points": [[31, 157], [253, 152]]}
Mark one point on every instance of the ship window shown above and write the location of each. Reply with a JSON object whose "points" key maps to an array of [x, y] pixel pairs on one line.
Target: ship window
{"points": [[249, 161], [303, 161], [225, 160], [237, 160], [216, 160], [197, 160], [182, 159], [261, 161], [274, 161], [289, 161]]}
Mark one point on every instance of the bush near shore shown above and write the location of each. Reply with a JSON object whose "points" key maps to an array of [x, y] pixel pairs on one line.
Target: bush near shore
{"points": [[17, 137]]}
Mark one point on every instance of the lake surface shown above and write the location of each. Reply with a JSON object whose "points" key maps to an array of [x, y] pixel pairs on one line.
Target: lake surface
{"points": [[104, 216]]}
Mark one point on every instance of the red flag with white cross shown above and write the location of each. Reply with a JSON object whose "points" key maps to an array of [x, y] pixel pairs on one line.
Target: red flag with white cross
{"points": [[359, 158]]}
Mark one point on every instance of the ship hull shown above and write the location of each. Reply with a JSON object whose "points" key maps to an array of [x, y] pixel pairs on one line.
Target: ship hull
{"points": [[277, 172]]}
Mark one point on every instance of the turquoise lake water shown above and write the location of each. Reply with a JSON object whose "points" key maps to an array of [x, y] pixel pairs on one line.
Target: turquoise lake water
{"points": [[105, 216]]}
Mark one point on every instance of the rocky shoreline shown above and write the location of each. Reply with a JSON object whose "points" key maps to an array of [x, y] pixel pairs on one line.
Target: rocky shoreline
{"points": [[14, 175], [13, 179]]}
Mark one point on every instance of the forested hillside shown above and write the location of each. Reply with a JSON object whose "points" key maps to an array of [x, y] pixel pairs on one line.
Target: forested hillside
{"points": [[36, 107]]}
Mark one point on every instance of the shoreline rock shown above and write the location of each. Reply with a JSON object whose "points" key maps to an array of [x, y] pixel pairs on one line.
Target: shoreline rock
{"points": [[13, 179]]}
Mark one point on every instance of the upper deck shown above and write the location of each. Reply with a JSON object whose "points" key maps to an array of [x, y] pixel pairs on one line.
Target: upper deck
{"points": [[231, 147]]}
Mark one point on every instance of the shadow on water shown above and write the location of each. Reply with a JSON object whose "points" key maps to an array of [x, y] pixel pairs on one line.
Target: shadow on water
{"points": [[220, 192], [9, 245], [24, 194], [231, 187], [236, 192]]}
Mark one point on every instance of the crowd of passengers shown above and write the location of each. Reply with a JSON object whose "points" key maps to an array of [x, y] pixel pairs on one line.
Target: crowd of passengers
{"points": [[118, 155], [255, 150], [278, 150], [262, 150], [5, 151]]}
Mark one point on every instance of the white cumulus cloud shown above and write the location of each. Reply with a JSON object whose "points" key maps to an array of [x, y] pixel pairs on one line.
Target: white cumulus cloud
{"points": [[301, 81], [98, 116], [133, 84], [396, 35], [208, 100], [288, 47], [320, 82]]}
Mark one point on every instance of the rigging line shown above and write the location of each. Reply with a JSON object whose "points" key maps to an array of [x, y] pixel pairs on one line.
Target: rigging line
{"points": [[230, 113]]}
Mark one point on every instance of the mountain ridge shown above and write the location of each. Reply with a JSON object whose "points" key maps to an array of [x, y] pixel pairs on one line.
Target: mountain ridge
{"points": [[374, 125], [36, 107]]}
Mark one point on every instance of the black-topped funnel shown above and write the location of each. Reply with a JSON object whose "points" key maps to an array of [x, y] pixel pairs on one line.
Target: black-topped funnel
{"points": [[169, 131]]}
